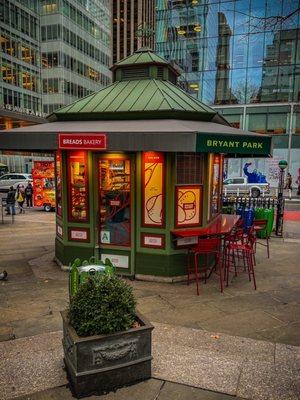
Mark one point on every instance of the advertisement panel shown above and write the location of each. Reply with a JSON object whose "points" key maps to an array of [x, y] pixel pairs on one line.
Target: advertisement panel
{"points": [[153, 189]]}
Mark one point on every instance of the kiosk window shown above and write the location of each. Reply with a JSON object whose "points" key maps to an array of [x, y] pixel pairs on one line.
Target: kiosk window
{"points": [[189, 167]]}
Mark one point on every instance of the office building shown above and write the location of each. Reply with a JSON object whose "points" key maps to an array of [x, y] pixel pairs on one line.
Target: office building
{"points": [[133, 26], [20, 79], [53, 52], [239, 58], [75, 50]]}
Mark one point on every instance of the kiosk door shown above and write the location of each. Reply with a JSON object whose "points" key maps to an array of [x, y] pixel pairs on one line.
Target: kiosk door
{"points": [[115, 210]]}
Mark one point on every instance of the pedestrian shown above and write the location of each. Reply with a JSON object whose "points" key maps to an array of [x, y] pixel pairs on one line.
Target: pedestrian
{"points": [[20, 197], [288, 182], [11, 201], [298, 183], [29, 194]]}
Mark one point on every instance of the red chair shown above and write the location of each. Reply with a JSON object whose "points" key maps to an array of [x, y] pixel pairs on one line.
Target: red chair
{"points": [[260, 225], [208, 248], [244, 251]]}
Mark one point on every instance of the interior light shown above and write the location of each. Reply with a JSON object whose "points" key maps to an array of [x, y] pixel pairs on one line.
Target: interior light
{"points": [[181, 31], [195, 2], [197, 28], [194, 86]]}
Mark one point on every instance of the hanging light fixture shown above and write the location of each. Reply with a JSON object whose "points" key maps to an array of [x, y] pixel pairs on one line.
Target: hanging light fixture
{"points": [[195, 2], [194, 86]]}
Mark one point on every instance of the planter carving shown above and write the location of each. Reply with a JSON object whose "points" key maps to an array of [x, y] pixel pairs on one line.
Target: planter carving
{"points": [[102, 363]]}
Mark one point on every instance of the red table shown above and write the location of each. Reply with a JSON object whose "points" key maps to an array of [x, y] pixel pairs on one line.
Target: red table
{"points": [[221, 225]]}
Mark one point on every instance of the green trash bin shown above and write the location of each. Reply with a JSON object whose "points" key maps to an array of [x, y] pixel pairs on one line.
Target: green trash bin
{"points": [[80, 272], [267, 214]]}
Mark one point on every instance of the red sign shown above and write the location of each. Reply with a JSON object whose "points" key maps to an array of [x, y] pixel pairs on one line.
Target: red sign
{"points": [[82, 141], [153, 157]]}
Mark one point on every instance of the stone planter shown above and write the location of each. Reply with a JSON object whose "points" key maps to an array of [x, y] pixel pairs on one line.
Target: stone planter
{"points": [[99, 364]]}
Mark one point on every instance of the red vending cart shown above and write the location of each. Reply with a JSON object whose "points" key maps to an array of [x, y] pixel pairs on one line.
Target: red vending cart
{"points": [[43, 184]]}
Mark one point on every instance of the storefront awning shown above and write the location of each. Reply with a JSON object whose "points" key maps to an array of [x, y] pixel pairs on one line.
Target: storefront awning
{"points": [[168, 135]]}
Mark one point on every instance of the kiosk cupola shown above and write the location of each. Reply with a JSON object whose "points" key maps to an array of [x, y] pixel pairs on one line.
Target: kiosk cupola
{"points": [[144, 64]]}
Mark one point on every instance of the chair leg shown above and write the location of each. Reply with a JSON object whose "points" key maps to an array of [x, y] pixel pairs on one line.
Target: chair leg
{"points": [[221, 275], [253, 273], [249, 257], [268, 249]]}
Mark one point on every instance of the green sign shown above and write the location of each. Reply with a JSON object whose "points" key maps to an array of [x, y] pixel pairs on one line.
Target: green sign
{"points": [[234, 144]]}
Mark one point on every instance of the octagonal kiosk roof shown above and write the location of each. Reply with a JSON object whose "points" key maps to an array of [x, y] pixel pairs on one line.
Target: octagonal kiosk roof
{"points": [[144, 88], [142, 110]]}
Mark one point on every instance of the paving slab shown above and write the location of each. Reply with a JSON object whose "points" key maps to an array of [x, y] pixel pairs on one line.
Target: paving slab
{"points": [[243, 323], [174, 391], [182, 364]]}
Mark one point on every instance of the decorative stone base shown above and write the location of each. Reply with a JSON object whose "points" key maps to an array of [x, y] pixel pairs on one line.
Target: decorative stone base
{"points": [[100, 383], [99, 364]]}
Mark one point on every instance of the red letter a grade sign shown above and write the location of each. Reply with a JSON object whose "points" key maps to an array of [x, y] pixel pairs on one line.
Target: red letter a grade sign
{"points": [[82, 141]]}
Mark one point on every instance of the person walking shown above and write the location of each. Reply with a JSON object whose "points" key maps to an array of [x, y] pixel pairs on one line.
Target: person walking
{"points": [[29, 194], [20, 197], [11, 201], [288, 182]]}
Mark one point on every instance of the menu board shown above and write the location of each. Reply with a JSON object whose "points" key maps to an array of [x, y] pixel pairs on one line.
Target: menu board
{"points": [[78, 186], [153, 189], [43, 183], [58, 174], [188, 201]]}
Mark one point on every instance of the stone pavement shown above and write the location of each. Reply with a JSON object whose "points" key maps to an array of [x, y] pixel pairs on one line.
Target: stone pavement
{"points": [[37, 290]]}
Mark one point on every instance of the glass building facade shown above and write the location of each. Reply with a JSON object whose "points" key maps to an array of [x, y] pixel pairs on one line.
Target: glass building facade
{"points": [[52, 53], [20, 78], [75, 49], [243, 58]]}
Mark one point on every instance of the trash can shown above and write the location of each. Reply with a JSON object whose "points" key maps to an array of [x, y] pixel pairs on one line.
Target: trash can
{"points": [[267, 214], [80, 273]]}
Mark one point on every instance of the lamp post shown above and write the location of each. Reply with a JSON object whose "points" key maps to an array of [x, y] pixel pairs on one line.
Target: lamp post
{"points": [[280, 203]]}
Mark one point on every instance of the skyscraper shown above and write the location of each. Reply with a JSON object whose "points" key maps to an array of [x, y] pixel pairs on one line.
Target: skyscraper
{"points": [[20, 78], [53, 52], [242, 57], [75, 49], [133, 26]]}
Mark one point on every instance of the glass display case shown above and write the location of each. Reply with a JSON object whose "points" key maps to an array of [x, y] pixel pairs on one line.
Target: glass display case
{"points": [[114, 201], [77, 186]]}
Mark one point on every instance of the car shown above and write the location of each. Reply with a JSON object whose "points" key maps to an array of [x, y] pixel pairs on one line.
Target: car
{"points": [[14, 179], [240, 186]]}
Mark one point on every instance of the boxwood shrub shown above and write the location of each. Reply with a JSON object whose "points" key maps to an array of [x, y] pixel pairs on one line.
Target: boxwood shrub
{"points": [[103, 304]]}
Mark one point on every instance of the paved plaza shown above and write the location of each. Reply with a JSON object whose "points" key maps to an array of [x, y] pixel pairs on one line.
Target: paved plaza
{"points": [[239, 344]]}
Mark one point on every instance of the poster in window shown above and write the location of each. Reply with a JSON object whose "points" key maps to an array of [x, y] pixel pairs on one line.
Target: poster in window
{"points": [[188, 206], [58, 166], [153, 189], [78, 186]]}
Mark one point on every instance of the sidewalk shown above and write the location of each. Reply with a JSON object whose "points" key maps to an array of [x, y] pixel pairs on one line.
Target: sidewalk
{"points": [[240, 343]]}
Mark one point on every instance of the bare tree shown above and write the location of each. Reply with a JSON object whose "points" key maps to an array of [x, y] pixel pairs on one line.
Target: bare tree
{"points": [[270, 23]]}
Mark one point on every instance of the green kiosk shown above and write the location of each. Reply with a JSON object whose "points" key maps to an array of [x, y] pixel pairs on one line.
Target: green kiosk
{"points": [[135, 161]]}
